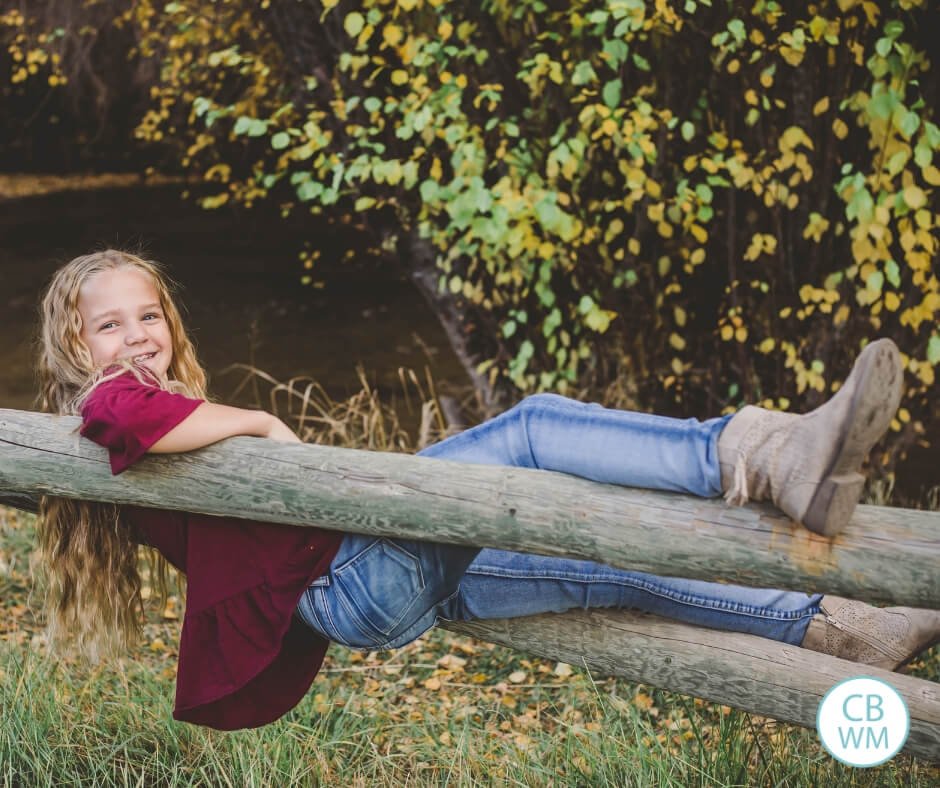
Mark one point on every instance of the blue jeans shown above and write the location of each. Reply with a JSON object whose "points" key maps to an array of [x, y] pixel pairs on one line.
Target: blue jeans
{"points": [[383, 593]]}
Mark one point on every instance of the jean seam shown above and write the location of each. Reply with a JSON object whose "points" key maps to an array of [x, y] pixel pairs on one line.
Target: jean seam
{"points": [[330, 629], [353, 604], [686, 599]]}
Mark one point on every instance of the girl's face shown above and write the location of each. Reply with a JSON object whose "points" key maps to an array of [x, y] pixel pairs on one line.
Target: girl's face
{"points": [[122, 318]]}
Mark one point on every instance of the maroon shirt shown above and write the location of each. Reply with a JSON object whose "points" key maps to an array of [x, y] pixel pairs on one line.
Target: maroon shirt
{"points": [[244, 659]]}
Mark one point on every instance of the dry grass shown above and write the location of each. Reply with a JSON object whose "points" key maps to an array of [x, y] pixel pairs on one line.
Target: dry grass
{"points": [[445, 710]]}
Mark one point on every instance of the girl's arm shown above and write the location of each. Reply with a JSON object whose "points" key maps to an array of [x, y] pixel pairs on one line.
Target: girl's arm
{"points": [[211, 422]]}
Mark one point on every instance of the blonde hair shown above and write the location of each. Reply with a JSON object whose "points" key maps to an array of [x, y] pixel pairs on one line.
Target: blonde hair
{"points": [[87, 551]]}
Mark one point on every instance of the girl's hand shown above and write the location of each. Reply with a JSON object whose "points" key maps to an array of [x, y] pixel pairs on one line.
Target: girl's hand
{"points": [[279, 431]]}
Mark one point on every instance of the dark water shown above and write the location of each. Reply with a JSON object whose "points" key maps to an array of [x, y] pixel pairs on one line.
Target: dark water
{"points": [[240, 289]]}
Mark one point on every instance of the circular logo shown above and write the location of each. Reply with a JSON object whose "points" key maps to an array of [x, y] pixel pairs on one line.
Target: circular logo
{"points": [[863, 721]]}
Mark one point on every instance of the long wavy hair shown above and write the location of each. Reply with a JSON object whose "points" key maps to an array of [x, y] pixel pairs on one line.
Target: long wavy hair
{"points": [[88, 553]]}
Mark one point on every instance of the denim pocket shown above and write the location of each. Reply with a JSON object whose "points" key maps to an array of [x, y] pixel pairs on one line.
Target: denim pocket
{"points": [[380, 585]]}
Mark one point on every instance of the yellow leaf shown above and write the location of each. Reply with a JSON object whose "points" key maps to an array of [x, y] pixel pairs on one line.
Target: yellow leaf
{"points": [[914, 197], [643, 701], [680, 316], [697, 257], [727, 332], [399, 76], [750, 97], [546, 249], [821, 106], [444, 29], [892, 302], [767, 345], [392, 35], [676, 341], [633, 245], [932, 175], [840, 129], [433, 683], [904, 415], [699, 232], [354, 23], [741, 334], [734, 66], [664, 229]]}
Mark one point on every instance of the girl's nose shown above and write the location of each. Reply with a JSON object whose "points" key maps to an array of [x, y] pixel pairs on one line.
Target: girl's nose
{"points": [[135, 334]]}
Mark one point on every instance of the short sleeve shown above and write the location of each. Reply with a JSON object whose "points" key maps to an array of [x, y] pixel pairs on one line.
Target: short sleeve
{"points": [[127, 417]]}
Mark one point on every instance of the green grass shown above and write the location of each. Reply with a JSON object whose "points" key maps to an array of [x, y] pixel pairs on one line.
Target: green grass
{"points": [[445, 710]]}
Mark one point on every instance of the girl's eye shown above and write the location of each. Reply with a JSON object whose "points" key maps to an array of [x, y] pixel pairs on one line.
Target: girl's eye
{"points": [[152, 314], [106, 325]]}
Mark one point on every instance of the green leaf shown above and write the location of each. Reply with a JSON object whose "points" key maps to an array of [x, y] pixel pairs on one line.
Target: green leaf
{"points": [[736, 26], [611, 93], [586, 304], [909, 123], [894, 28], [933, 134], [280, 140], [875, 281], [893, 273], [509, 328], [641, 62], [922, 155], [429, 190], [883, 104], [933, 349], [704, 192], [364, 203], [583, 73], [551, 322], [309, 190], [616, 51], [688, 131]]}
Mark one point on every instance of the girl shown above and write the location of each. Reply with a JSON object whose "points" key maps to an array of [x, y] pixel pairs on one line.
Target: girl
{"points": [[263, 600]]}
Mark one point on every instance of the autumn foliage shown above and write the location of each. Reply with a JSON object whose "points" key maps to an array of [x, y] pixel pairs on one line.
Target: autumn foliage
{"points": [[733, 197]]}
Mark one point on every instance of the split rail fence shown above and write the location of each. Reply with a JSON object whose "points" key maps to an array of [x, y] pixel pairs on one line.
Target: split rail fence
{"points": [[884, 555]]}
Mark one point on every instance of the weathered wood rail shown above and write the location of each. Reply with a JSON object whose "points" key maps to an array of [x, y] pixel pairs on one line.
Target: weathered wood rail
{"points": [[885, 554]]}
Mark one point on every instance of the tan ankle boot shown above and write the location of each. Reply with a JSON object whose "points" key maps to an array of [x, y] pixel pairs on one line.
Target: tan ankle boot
{"points": [[809, 465], [887, 638]]}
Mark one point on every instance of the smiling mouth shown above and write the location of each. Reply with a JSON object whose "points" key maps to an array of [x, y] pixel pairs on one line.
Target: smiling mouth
{"points": [[144, 357]]}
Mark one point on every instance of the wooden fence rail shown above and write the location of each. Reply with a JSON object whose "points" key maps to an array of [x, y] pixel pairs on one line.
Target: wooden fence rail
{"points": [[885, 554]]}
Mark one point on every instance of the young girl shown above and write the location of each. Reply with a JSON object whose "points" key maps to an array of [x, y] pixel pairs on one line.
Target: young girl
{"points": [[263, 600]]}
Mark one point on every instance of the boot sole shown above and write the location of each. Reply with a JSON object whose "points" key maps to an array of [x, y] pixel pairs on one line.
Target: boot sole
{"points": [[874, 403]]}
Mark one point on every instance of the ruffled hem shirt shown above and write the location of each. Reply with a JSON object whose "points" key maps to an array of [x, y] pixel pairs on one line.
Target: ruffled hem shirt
{"points": [[244, 658]]}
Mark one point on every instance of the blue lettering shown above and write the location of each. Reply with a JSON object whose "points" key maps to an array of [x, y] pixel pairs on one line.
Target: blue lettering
{"points": [[875, 744], [877, 707], [845, 709], [854, 735]]}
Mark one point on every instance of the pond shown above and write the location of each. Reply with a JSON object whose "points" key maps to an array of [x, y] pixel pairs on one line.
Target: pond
{"points": [[239, 278]]}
